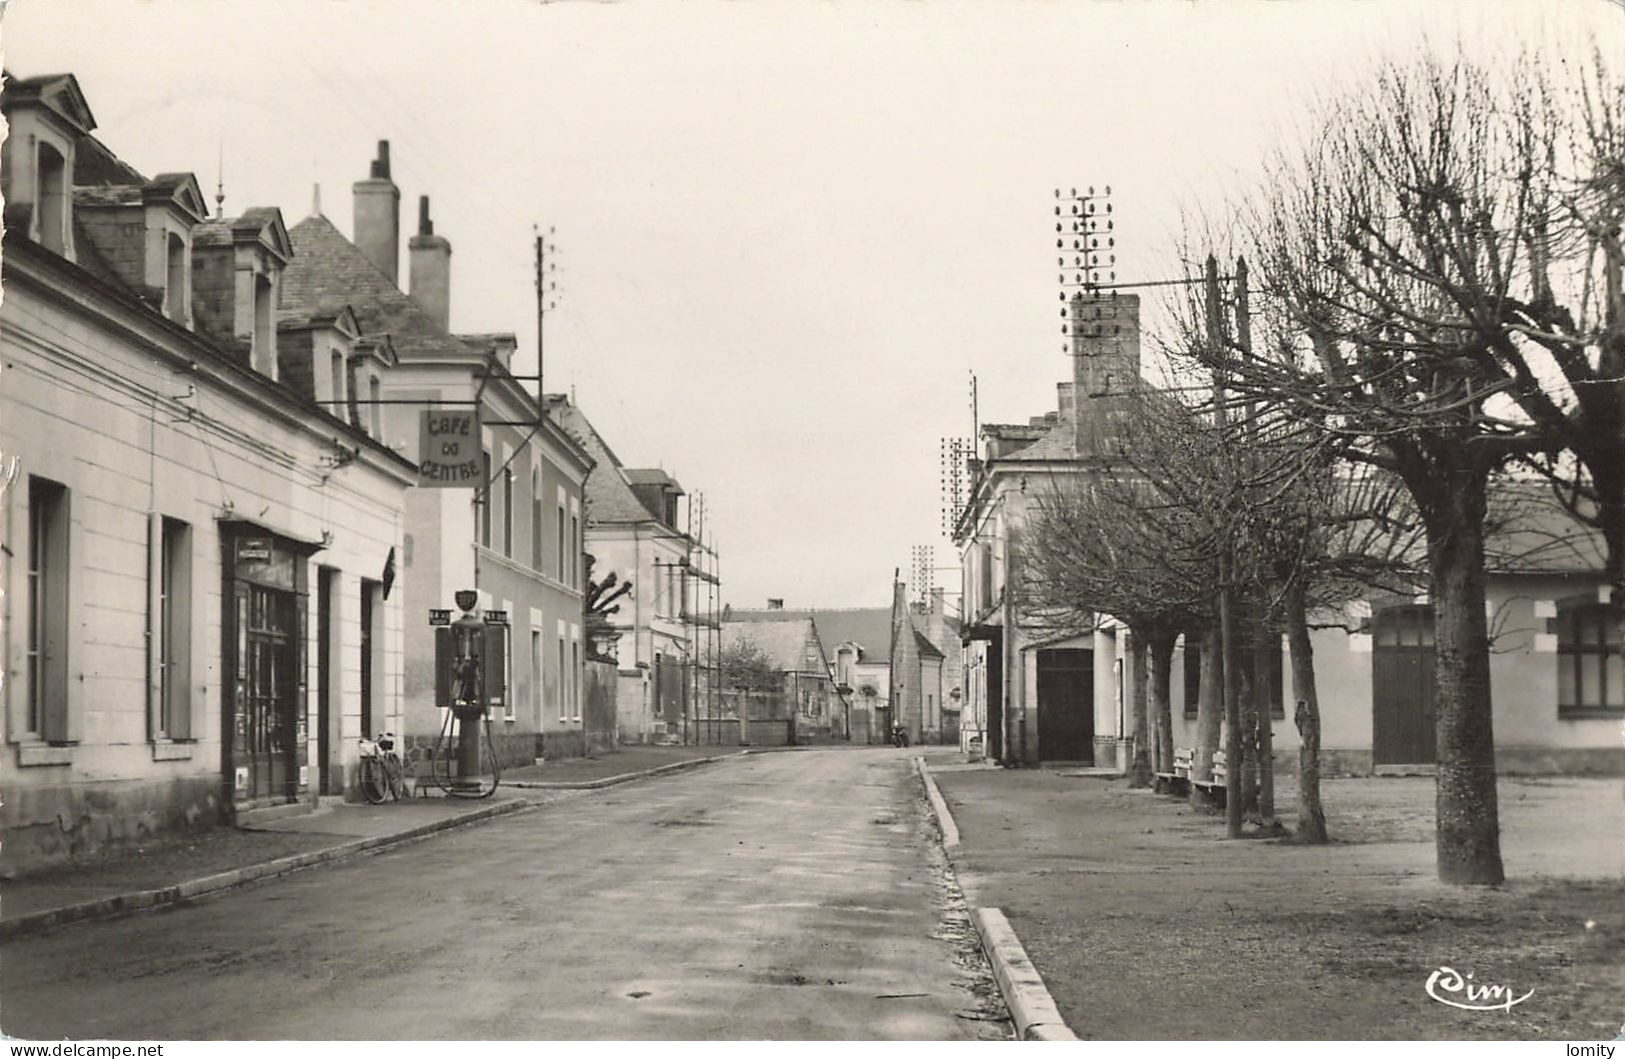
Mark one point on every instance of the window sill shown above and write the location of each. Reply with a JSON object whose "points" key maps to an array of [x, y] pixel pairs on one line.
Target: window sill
{"points": [[40, 755], [1590, 713], [172, 751]]}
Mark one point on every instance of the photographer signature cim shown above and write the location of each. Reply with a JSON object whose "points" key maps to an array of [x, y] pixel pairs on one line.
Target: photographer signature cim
{"points": [[1449, 986]]}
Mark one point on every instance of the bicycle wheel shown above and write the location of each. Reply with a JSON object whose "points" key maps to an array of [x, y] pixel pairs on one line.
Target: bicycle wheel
{"points": [[374, 785], [395, 772]]}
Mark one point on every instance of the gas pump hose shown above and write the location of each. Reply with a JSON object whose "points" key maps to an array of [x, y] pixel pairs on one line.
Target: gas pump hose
{"points": [[442, 762]]}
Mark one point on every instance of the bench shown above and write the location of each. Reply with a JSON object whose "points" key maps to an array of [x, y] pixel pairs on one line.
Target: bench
{"points": [[1214, 788], [1177, 781]]}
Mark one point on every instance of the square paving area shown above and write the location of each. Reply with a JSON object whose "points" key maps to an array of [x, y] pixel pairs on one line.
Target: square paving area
{"points": [[1146, 922]]}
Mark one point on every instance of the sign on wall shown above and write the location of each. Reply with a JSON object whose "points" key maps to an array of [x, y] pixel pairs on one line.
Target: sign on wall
{"points": [[449, 452]]}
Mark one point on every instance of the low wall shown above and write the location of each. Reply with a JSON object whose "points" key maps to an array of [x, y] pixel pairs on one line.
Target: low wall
{"points": [[599, 721], [47, 824]]}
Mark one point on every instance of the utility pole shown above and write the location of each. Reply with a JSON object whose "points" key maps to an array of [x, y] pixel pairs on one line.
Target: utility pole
{"points": [[547, 296], [1264, 742], [1227, 602]]}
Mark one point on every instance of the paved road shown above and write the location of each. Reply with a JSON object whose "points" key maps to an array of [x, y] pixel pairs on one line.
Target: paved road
{"points": [[792, 895]]}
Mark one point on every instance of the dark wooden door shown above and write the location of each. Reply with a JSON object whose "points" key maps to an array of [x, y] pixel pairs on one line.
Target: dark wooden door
{"points": [[1066, 705], [1402, 687], [325, 713]]}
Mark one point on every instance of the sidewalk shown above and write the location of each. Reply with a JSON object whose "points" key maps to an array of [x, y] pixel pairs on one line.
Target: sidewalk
{"points": [[174, 868], [1146, 923]]}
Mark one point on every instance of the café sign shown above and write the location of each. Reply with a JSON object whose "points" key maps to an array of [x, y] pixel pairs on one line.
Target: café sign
{"points": [[449, 449]]}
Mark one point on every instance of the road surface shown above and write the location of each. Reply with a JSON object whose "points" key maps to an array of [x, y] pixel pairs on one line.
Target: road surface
{"points": [[780, 896]]}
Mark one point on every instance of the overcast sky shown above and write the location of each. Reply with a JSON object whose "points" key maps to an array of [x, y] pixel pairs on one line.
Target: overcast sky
{"points": [[788, 231]]}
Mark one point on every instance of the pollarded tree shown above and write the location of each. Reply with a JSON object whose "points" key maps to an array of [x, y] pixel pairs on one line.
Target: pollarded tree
{"points": [[1445, 301]]}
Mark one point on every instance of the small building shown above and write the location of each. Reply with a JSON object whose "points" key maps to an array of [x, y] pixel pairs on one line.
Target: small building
{"points": [[197, 568], [805, 707]]}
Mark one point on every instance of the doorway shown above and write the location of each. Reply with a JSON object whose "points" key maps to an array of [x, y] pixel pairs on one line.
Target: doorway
{"points": [[263, 645], [1066, 704], [1402, 687]]}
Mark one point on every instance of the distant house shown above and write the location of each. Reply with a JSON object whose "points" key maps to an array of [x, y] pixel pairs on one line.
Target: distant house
{"points": [[888, 663], [637, 528], [858, 643], [806, 705]]}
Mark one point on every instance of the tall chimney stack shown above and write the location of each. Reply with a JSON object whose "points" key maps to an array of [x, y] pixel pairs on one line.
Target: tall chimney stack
{"points": [[431, 268], [1106, 366], [378, 217]]}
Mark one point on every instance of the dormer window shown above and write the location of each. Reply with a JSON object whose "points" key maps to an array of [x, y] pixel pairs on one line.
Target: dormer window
{"points": [[53, 199], [262, 351], [375, 410], [177, 289], [337, 399], [236, 265], [46, 118]]}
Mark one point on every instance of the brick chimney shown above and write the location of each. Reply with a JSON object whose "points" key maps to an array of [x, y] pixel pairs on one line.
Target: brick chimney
{"points": [[1105, 365], [430, 276], [378, 216]]}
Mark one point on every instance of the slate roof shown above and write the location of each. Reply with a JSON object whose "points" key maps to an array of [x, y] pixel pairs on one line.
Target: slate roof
{"points": [[868, 627], [609, 493], [1531, 533], [785, 642], [927, 648], [328, 271]]}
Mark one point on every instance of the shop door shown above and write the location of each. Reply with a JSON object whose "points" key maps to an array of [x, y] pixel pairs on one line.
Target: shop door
{"points": [[1066, 705], [1402, 687], [272, 699]]}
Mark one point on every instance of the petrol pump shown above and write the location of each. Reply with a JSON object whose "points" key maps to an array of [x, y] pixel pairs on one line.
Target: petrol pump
{"points": [[469, 676]]}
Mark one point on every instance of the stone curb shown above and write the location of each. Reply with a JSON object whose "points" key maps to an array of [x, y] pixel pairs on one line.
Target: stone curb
{"points": [[1031, 1007], [610, 781], [1026, 997], [120, 904], [939, 805]]}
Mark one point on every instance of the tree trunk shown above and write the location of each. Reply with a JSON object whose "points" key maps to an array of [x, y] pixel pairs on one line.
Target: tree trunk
{"points": [[1265, 659], [1209, 711], [1247, 650], [1162, 664], [1467, 837], [1140, 769], [1311, 816]]}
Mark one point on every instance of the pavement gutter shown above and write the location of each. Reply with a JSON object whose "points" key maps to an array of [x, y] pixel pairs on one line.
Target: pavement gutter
{"points": [[1031, 1007], [120, 904], [610, 781]]}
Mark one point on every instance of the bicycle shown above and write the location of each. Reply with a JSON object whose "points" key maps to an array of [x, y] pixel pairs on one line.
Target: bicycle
{"points": [[382, 772]]}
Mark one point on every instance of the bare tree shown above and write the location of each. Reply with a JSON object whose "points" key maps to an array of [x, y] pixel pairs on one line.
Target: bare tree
{"points": [[1415, 262]]}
